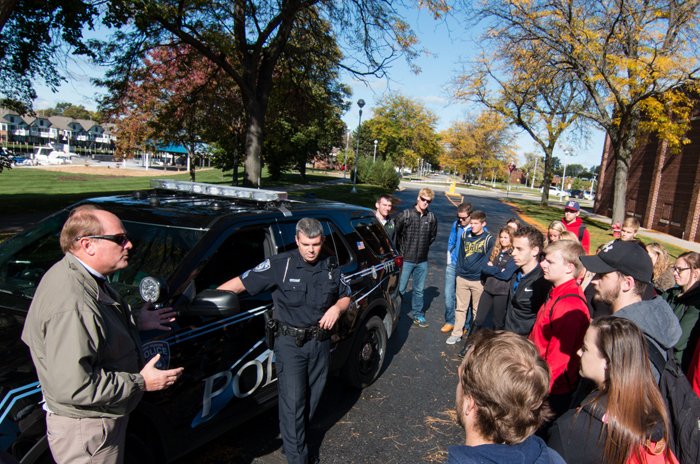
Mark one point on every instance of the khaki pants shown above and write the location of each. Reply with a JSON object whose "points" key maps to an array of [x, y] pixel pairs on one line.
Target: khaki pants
{"points": [[465, 291], [91, 440]]}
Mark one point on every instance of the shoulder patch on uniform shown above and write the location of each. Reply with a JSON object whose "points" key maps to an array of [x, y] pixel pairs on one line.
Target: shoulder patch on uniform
{"points": [[264, 266]]}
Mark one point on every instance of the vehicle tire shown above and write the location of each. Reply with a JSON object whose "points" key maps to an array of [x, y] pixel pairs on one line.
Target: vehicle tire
{"points": [[136, 451], [367, 354]]}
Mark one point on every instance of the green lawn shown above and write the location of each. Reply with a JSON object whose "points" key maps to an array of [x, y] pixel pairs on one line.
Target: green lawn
{"points": [[25, 191], [366, 194], [600, 232]]}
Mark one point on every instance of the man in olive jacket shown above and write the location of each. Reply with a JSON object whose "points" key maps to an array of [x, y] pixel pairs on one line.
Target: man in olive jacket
{"points": [[85, 344]]}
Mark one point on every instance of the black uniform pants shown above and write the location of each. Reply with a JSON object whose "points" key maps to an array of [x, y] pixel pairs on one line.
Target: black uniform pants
{"points": [[301, 377]]}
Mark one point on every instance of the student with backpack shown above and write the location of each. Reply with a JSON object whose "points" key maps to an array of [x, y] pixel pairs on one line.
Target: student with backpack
{"points": [[464, 212], [624, 421], [623, 271], [574, 224], [561, 321], [475, 246]]}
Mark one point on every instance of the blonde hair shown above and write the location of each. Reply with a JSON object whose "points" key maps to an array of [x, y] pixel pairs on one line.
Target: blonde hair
{"points": [[568, 235], [631, 221], [497, 247], [426, 193], [662, 260], [570, 250], [554, 225]]}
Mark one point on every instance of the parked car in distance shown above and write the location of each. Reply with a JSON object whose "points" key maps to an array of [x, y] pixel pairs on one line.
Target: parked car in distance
{"points": [[555, 191], [575, 193], [587, 195]]}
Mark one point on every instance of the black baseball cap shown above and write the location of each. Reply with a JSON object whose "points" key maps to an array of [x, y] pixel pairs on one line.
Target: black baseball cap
{"points": [[626, 257]]}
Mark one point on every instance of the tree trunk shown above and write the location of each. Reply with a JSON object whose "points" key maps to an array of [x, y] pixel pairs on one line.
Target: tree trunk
{"points": [[234, 181], [623, 142], [255, 120], [547, 180], [192, 167], [622, 159], [302, 170]]}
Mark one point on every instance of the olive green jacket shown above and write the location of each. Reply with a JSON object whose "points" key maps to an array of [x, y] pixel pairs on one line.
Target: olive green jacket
{"points": [[84, 344], [687, 310]]}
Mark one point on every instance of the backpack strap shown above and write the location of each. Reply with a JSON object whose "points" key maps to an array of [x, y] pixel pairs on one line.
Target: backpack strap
{"points": [[551, 312], [655, 356], [581, 230], [455, 228], [489, 237]]}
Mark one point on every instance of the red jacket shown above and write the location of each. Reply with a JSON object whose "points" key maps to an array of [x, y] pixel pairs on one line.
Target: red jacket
{"points": [[694, 370], [574, 227], [560, 337]]}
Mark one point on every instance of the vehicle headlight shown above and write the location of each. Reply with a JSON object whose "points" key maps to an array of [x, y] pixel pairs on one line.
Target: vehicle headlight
{"points": [[153, 288]]}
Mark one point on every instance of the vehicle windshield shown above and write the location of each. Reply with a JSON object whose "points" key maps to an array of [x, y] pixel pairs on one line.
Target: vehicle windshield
{"points": [[157, 250]]}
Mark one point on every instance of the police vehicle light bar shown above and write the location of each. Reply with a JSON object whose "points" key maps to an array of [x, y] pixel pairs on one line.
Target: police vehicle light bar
{"points": [[244, 193]]}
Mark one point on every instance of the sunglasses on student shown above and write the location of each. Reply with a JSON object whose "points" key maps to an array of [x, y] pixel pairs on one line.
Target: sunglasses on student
{"points": [[425, 200], [463, 218], [119, 239]]}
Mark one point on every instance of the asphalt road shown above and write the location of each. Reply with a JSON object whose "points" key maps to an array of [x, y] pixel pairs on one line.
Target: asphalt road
{"points": [[406, 416]]}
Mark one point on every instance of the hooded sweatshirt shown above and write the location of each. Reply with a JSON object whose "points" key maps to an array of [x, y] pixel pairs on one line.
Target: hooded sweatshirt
{"points": [[657, 321], [574, 227], [532, 450]]}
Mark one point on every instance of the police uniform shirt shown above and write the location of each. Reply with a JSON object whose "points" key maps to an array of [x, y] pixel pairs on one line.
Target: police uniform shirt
{"points": [[301, 292]]}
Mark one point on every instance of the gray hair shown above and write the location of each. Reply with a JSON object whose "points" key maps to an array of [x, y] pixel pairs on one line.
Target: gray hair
{"points": [[310, 227]]}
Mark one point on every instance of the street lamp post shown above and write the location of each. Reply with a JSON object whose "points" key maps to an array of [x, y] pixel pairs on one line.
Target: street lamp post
{"points": [[360, 103], [534, 174], [347, 144], [374, 157], [566, 160]]}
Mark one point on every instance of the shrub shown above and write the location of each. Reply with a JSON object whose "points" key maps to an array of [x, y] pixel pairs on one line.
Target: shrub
{"points": [[390, 178], [377, 173]]}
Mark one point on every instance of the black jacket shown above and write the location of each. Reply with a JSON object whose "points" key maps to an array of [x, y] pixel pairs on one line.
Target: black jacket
{"points": [[414, 234], [527, 299], [580, 439]]}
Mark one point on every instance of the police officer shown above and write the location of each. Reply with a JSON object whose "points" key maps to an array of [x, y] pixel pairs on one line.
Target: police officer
{"points": [[308, 295]]}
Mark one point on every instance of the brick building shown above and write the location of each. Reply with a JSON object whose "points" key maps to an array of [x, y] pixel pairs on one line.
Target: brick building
{"points": [[663, 188]]}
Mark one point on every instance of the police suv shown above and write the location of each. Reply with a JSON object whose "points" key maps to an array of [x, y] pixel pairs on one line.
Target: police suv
{"points": [[189, 238]]}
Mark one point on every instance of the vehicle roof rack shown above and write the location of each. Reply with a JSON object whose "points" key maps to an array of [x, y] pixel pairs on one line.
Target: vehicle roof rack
{"points": [[223, 191]]}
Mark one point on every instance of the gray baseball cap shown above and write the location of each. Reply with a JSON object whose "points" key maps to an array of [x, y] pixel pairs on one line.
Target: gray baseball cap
{"points": [[628, 258]]}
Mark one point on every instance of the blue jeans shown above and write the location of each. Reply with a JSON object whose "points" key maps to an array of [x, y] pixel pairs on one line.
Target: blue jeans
{"points": [[450, 298], [419, 271]]}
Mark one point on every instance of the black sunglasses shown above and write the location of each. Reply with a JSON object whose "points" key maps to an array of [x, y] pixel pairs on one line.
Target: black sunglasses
{"points": [[119, 239], [427, 201], [462, 218]]}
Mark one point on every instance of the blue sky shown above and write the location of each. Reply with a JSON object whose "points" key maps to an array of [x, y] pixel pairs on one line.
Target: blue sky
{"points": [[447, 42]]}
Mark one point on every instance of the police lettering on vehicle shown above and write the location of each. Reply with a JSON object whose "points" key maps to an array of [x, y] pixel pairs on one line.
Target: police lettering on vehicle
{"points": [[222, 387]]}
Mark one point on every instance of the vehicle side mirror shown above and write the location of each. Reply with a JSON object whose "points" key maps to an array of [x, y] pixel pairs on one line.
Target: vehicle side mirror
{"points": [[213, 303]]}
